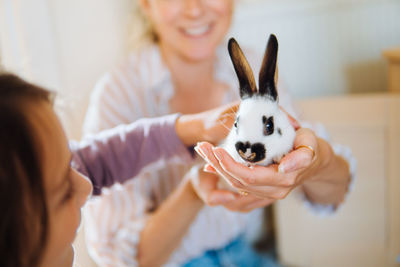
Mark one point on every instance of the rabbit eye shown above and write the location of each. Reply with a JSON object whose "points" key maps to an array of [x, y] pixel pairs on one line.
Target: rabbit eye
{"points": [[268, 125], [236, 122]]}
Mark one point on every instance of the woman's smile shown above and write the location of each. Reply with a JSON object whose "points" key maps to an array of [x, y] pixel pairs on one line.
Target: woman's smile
{"points": [[199, 31]]}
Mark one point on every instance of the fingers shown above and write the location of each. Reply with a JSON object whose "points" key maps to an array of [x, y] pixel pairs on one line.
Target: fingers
{"points": [[261, 182], [209, 168], [226, 115], [220, 197], [204, 183], [298, 159], [306, 148], [230, 108], [292, 120], [269, 192], [253, 175], [247, 203], [305, 136], [259, 204], [204, 149], [237, 174], [205, 186]]}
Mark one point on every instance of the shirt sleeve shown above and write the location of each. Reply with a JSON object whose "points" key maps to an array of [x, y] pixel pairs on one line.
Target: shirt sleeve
{"points": [[117, 154], [114, 222]]}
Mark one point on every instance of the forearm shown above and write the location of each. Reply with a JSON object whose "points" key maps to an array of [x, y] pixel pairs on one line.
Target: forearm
{"points": [[166, 228], [329, 183], [120, 153]]}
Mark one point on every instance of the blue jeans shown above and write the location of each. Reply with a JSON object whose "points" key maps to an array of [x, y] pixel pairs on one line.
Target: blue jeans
{"points": [[239, 253]]}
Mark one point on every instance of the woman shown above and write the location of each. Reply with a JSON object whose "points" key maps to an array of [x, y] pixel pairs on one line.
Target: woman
{"points": [[180, 67], [44, 183]]}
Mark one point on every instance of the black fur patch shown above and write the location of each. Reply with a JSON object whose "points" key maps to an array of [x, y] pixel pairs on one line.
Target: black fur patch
{"points": [[257, 148], [279, 131]]}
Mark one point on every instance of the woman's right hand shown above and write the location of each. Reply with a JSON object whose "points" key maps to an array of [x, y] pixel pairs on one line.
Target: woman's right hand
{"points": [[205, 185]]}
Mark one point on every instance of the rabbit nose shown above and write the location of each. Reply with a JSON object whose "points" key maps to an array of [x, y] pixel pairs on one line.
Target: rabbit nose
{"points": [[251, 152]]}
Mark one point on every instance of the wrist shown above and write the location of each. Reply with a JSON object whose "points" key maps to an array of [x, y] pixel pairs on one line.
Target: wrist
{"points": [[189, 129], [327, 182]]}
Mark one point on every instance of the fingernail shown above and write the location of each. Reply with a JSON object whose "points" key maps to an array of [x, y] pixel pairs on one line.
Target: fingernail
{"points": [[199, 151], [208, 168]]}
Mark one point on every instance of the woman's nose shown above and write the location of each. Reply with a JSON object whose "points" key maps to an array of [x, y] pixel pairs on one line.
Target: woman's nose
{"points": [[193, 8]]}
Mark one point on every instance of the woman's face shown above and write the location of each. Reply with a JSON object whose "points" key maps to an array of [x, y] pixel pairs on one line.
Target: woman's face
{"points": [[66, 190], [190, 28]]}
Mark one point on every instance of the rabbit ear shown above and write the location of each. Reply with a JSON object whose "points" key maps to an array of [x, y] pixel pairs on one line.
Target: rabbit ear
{"points": [[268, 67], [243, 71]]}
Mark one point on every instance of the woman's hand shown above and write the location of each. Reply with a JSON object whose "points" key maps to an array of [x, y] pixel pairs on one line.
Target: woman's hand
{"points": [[312, 165], [211, 126], [205, 185]]}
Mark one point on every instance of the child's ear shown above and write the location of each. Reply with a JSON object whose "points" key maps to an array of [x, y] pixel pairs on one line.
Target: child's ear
{"points": [[145, 6]]}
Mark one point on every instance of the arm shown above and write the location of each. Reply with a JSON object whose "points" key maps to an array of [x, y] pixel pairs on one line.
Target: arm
{"points": [[120, 153], [173, 218], [165, 228], [328, 181]]}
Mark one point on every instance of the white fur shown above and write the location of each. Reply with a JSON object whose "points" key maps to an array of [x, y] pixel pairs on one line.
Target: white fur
{"points": [[250, 129]]}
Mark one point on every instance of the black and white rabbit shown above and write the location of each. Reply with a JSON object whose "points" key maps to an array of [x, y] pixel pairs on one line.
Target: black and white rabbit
{"points": [[262, 133]]}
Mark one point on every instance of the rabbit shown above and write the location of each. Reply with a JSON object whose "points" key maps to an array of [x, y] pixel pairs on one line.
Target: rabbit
{"points": [[262, 133]]}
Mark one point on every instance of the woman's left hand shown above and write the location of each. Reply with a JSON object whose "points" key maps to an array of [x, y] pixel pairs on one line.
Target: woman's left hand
{"points": [[205, 185], [274, 181]]}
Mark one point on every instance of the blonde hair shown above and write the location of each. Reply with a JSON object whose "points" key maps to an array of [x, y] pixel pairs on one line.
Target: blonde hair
{"points": [[142, 32]]}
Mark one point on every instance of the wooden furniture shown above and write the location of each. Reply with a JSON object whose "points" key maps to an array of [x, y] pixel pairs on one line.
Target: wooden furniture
{"points": [[365, 231], [393, 58]]}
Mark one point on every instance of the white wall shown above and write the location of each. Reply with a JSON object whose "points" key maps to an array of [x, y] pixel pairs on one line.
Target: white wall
{"points": [[326, 47], [65, 46]]}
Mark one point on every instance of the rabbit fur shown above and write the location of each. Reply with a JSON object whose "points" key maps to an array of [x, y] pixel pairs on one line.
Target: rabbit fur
{"points": [[262, 133]]}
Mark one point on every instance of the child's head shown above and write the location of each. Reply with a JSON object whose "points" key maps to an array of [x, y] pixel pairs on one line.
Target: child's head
{"points": [[40, 212], [191, 28]]}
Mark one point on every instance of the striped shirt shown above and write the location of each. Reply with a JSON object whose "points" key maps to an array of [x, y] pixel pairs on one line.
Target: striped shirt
{"points": [[142, 87]]}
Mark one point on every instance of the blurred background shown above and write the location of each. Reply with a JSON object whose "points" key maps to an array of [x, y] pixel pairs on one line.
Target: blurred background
{"points": [[329, 47], [335, 52]]}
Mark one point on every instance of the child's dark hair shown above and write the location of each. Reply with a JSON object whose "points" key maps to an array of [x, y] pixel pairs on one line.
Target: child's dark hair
{"points": [[24, 217]]}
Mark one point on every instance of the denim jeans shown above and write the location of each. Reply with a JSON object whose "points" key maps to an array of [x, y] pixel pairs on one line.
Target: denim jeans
{"points": [[239, 253]]}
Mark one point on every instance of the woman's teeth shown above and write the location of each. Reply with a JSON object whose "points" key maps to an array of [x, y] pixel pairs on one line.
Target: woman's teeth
{"points": [[197, 31]]}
